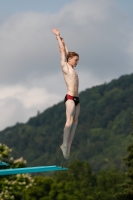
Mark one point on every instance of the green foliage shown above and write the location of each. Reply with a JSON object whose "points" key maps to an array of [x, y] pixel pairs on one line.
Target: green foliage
{"points": [[40, 190], [101, 136], [12, 187], [127, 185], [77, 183]]}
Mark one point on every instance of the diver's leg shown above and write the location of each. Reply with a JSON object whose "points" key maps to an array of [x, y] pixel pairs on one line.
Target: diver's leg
{"points": [[70, 111], [74, 126]]}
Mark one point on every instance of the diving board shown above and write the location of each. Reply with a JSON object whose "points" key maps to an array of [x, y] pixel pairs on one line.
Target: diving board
{"points": [[3, 163], [31, 170]]}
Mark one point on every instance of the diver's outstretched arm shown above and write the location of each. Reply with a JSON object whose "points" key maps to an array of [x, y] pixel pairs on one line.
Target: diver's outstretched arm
{"points": [[62, 47], [66, 49]]}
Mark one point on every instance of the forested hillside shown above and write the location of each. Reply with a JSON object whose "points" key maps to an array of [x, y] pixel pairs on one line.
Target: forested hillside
{"points": [[102, 135]]}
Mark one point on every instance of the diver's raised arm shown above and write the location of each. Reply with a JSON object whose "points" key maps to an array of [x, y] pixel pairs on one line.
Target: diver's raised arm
{"points": [[62, 47], [66, 49]]}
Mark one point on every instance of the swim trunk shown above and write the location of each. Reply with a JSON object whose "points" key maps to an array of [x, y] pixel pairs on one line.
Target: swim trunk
{"points": [[75, 99]]}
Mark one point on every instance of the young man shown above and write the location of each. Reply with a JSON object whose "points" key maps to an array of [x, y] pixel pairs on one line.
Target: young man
{"points": [[69, 60]]}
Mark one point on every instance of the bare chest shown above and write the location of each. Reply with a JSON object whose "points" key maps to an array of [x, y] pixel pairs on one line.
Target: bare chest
{"points": [[72, 74]]}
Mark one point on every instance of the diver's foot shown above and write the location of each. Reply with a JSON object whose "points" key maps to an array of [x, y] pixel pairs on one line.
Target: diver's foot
{"points": [[65, 151]]}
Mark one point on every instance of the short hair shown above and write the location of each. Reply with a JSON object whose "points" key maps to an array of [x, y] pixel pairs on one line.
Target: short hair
{"points": [[71, 54]]}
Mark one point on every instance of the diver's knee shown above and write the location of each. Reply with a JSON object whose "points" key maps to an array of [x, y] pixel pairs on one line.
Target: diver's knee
{"points": [[69, 123]]}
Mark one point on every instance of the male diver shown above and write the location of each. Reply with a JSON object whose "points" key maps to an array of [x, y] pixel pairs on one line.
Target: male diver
{"points": [[69, 60]]}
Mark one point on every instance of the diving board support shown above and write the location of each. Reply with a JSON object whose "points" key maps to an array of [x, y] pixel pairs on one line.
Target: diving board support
{"points": [[31, 170]]}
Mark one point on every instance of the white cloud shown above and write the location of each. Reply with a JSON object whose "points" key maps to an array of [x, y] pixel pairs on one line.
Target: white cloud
{"points": [[82, 12], [18, 103], [88, 79]]}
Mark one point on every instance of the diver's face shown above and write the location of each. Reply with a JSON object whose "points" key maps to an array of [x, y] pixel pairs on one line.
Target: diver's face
{"points": [[73, 61]]}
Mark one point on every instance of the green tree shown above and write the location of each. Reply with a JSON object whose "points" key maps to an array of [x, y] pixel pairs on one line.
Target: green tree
{"points": [[12, 187], [107, 184], [127, 185], [78, 183]]}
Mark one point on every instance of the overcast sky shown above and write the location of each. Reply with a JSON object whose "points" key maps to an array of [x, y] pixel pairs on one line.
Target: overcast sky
{"points": [[101, 31]]}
